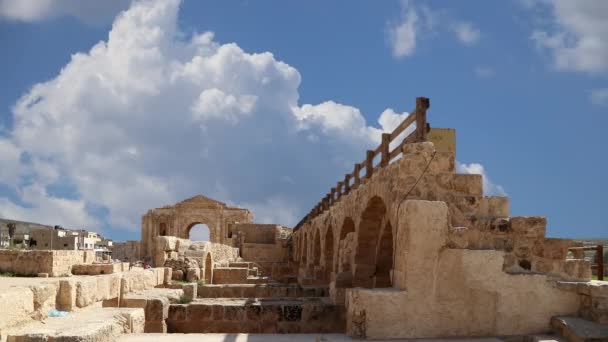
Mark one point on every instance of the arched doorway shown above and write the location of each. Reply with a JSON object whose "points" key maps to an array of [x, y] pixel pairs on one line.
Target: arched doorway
{"points": [[329, 252], [316, 252], [384, 258], [347, 227], [199, 232], [208, 269], [367, 242], [304, 250], [162, 229]]}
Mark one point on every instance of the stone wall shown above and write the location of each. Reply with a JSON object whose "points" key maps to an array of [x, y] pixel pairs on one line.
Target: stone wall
{"points": [[54, 263], [263, 252], [256, 233], [448, 292], [126, 251]]}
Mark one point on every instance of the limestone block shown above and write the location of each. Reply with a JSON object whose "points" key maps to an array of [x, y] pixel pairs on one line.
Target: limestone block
{"points": [[160, 257], [136, 320], [577, 269], [193, 275], [157, 309], [532, 227], [156, 327], [86, 291], [190, 290], [173, 255], [166, 243], [44, 299], [494, 206], [167, 276], [177, 275], [21, 304], [66, 299]]}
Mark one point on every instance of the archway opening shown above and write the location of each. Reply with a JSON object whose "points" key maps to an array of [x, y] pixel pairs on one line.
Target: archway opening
{"points": [[384, 258], [304, 250], [162, 229], [367, 241], [316, 252], [343, 260], [329, 252], [199, 232]]}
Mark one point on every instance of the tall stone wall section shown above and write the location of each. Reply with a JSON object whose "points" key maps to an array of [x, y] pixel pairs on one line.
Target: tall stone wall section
{"points": [[54, 263], [126, 251]]}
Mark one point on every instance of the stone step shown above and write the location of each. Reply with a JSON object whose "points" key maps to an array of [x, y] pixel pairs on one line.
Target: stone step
{"points": [[261, 291], [544, 338], [278, 338], [576, 329], [91, 324], [302, 315]]}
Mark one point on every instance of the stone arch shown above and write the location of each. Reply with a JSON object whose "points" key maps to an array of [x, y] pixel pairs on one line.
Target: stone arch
{"points": [[328, 252], [208, 276], [347, 227], [384, 258], [368, 233], [197, 222], [162, 229], [304, 250], [316, 252]]}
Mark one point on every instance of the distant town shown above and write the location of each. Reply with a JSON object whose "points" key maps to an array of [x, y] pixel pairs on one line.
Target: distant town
{"points": [[35, 236]]}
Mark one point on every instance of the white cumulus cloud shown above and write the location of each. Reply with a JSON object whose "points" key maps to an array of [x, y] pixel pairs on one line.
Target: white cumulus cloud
{"points": [[577, 37], [152, 116], [467, 33], [599, 96], [489, 187], [88, 11]]}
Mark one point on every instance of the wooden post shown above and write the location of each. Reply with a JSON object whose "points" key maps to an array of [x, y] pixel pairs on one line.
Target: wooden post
{"points": [[386, 139], [422, 104], [369, 164], [357, 171], [346, 185], [339, 189], [331, 196], [600, 262], [326, 202]]}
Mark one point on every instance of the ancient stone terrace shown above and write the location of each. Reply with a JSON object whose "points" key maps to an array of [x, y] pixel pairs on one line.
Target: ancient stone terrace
{"points": [[402, 247]]}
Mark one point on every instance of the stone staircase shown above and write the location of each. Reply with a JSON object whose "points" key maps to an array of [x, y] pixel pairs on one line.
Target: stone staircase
{"points": [[577, 329]]}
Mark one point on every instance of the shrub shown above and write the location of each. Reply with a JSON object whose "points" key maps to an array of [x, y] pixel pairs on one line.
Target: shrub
{"points": [[185, 300]]}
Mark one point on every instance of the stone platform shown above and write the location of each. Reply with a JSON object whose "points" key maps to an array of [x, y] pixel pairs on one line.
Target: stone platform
{"points": [[91, 324], [272, 338], [286, 315]]}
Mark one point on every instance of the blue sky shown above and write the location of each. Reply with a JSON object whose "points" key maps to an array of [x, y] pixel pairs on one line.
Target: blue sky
{"points": [[94, 136]]}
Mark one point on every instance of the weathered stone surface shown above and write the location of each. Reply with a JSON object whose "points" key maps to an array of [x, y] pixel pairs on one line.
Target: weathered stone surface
{"points": [[193, 275]]}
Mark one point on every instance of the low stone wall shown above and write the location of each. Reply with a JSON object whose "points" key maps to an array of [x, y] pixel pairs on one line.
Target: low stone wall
{"points": [[35, 299], [593, 297], [96, 269], [230, 275], [260, 291], [54, 263], [253, 316]]}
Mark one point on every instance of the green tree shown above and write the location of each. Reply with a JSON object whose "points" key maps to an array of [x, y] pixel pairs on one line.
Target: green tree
{"points": [[12, 228]]}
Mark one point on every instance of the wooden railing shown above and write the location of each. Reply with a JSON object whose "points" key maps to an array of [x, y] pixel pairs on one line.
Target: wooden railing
{"points": [[354, 179], [600, 257]]}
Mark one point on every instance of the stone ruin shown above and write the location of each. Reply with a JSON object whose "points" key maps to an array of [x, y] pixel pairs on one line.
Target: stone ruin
{"points": [[401, 247]]}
